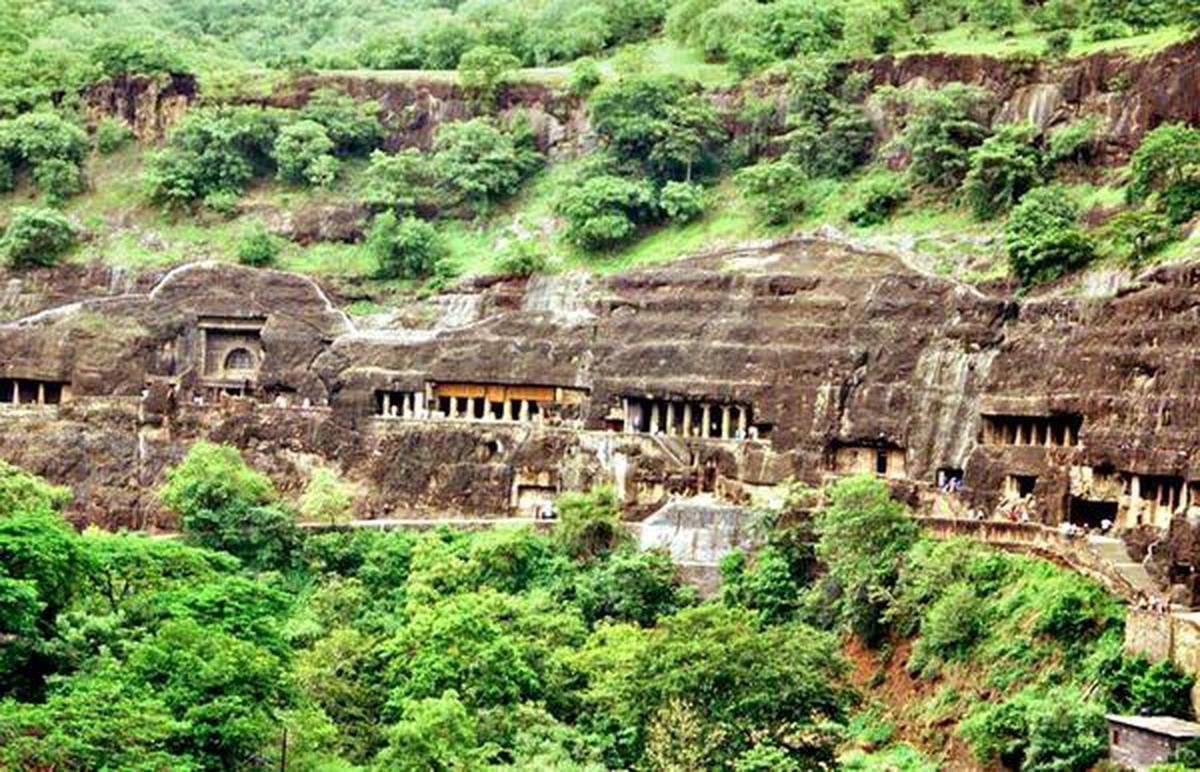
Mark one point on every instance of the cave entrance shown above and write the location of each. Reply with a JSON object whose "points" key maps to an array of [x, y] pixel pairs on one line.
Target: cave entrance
{"points": [[1091, 514]]}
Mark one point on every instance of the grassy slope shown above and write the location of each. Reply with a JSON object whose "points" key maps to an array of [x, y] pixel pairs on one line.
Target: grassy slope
{"points": [[128, 231]]}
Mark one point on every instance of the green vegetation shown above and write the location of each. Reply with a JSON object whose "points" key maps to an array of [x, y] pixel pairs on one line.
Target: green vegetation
{"points": [[792, 140], [36, 237], [499, 650]]}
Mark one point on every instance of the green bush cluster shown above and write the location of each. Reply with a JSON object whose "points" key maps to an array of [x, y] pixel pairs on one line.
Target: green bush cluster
{"points": [[532, 34], [36, 237], [49, 148], [475, 164], [405, 248], [214, 153], [1043, 237], [395, 650]]}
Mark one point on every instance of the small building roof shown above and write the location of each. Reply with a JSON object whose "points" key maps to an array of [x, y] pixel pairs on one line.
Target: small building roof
{"points": [[1164, 725]]}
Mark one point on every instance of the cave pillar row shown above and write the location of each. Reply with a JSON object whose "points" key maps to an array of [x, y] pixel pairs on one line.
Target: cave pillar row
{"points": [[725, 422], [670, 418], [653, 417], [687, 419], [419, 405], [41, 394], [706, 422]]}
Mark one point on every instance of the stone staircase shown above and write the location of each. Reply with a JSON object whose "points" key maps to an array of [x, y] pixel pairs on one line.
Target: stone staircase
{"points": [[1113, 552]]}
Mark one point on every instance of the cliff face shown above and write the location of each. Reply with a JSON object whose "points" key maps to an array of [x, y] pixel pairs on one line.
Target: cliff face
{"points": [[149, 105], [1129, 95], [721, 373]]}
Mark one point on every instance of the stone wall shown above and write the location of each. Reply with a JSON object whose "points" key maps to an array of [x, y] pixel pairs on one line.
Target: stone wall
{"points": [[1173, 636]]}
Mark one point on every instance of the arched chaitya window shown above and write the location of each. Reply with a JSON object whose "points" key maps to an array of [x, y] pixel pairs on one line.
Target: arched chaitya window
{"points": [[239, 359]]}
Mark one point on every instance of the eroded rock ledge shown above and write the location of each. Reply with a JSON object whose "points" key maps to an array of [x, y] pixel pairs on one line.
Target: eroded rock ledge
{"points": [[721, 373]]}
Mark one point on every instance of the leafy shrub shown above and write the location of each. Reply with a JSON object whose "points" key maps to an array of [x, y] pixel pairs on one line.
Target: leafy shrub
{"points": [[524, 258], [939, 130], [1058, 44], [136, 55], [403, 182], [111, 134], [1110, 29], [585, 76], [479, 162], [1042, 238], [1168, 156], [877, 199], [1138, 234], [49, 146], [303, 154], [631, 586], [775, 189], [36, 237], [954, 623], [830, 133], [57, 179], [862, 532], [1076, 610], [993, 14], [259, 247], [225, 505], [484, 69], [1058, 14], [404, 248], [213, 151], [604, 210], [327, 498], [682, 201], [1052, 730], [1181, 201], [1002, 169], [589, 524], [353, 127], [766, 583], [659, 121], [1075, 143], [1145, 689]]}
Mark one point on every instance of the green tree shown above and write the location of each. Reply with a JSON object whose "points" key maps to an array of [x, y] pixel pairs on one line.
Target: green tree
{"points": [[1042, 237], [604, 210], [589, 524], [259, 247], [1168, 156], [94, 720], [436, 733], [661, 122], [481, 163], [405, 248], [213, 152], [775, 189], [682, 201], [327, 498], [485, 69], [226, 505], [36, 237], [939, 130], [405, 182], [353, 127], [748, 685], [863, 534], [221, 689], [1003, 168], [631, 586], [303, 153]]}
